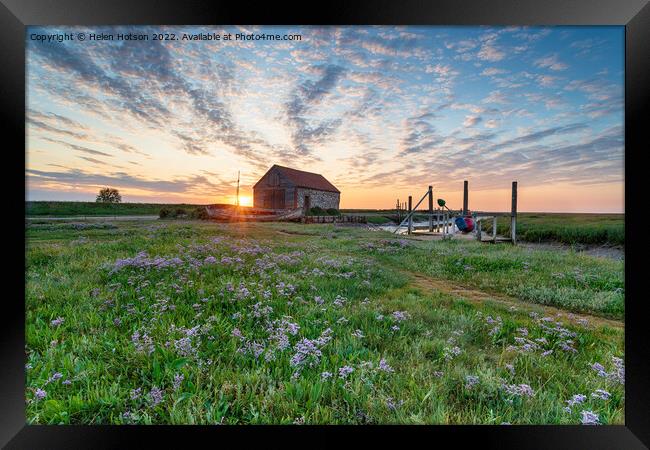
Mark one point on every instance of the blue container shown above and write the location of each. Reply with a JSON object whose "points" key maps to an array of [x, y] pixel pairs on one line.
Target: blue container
{"points": [[460, 223]]}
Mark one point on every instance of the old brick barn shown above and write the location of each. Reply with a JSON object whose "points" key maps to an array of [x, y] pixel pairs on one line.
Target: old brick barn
{"points": [[286, 188]]}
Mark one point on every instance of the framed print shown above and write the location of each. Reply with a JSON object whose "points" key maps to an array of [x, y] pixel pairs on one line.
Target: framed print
{"points": [[405, 217]]}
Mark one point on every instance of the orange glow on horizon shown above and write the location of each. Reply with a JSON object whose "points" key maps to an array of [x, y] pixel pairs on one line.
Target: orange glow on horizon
{"points": [[245, 200], [602, 198]]}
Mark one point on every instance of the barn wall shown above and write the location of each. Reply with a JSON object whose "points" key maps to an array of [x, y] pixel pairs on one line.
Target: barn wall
{"points": [[322, 199], [258, 196], [266, 183]]}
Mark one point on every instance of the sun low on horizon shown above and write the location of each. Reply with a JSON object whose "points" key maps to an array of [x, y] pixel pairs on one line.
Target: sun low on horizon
{"points": [[382, 112], [245, 200]]}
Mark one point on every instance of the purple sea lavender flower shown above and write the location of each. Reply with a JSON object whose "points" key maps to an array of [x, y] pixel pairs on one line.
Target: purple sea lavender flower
{"points": [[519, 390], [599, 369], [178, 379], [155, 396], [617, 375], [471, 381], [143, 344], [383, 366], [40, 394], [135, 393], [358, 334], [307, 352], [601, 394], [54, 377], [589, 418], [345, 371], [325, 375], [392, 404], [58, 321], [292, 328], [324, 337], [576, 399], [451, 353]]}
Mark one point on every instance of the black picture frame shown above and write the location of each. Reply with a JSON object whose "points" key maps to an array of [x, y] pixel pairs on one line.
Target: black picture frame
{"points": [[15, 15]]}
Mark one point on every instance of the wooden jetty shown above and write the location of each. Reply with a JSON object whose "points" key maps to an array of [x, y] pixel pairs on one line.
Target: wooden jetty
{"points": [[441, 221]]}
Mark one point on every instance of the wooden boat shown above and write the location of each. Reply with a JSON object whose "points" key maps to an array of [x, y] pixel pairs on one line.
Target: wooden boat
{"points": [[230, 213]]}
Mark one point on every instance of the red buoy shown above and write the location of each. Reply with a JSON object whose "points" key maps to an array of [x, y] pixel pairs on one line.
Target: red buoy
{"points": [[469, 223]]}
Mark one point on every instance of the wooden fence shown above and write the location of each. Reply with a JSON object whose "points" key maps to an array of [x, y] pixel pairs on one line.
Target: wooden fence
{"points": [[334, 219]]}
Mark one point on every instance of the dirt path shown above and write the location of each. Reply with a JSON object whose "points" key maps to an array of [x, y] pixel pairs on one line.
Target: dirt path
{"points": [[476, 296], [427, 284]]}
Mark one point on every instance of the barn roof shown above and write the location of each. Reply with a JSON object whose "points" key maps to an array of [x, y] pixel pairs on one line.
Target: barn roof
{"points": [[304, 179]]}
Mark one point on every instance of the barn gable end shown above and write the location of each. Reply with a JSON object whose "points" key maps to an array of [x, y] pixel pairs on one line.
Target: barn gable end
{"points": [[286, 188]]}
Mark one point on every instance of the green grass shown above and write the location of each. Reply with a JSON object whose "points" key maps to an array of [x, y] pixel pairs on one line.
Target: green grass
{"points": [[567, 228], [271, 280], [571, 228], [569, 280], [378, 220], [62, 209]]}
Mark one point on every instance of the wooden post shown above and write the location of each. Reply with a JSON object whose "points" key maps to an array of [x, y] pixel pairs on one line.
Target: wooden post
{"points": [[513, 214], [494, 229], [465, 197], [399, 215], [430, 208], [478, 230], [410, 224], [444, 222]]}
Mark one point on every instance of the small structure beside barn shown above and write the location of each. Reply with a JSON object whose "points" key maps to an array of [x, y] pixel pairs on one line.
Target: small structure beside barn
{"points": [[287, 188]]}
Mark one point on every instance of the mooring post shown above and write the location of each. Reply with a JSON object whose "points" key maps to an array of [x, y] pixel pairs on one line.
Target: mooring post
{"points": [[465, 197], [478, 230], [494, 229], [430, 208], [399, 216], [444, 223], [513, 214], [410, 215]]}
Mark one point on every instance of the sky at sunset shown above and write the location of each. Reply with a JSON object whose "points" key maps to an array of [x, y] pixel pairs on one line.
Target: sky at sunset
{"points": [[381, 112]]}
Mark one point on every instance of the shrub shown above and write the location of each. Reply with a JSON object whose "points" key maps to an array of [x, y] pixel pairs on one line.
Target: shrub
{"points": [[164, 213], [180, 212], [333, 212], [316, 211], [199, 213]]}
